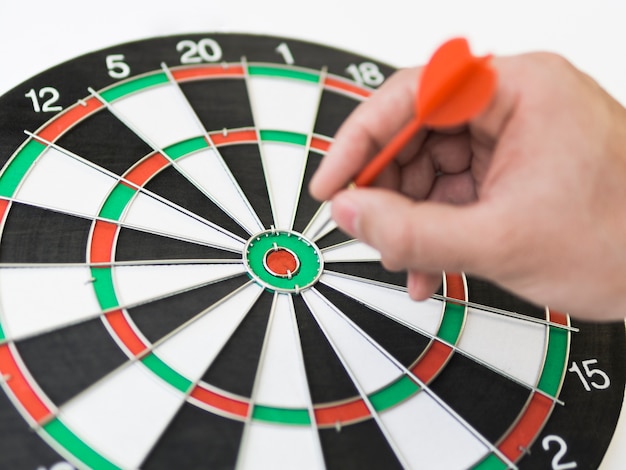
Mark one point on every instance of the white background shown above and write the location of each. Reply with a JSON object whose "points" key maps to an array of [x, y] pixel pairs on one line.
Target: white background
{"points": [[35, 35]]}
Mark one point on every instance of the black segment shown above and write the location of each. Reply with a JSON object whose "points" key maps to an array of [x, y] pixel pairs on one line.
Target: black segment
{"points": [[68, 360], [34, 235], [161, 317], [327, 378], [403, 344], [220, 104], [486, 293], [105, 141], [133, 245], [333, 111], [244, 162], [195, 436], [20, 446], [358, 446], [488, 401], [369, 270], [171, 185], [307, 206], [234, 369]]}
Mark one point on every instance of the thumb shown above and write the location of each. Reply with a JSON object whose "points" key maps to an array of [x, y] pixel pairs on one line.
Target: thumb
{"points": [[420, 236]]}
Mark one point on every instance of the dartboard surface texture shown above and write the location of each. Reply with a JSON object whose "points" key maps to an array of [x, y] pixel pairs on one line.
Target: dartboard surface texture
{"points": [[172, 297]]}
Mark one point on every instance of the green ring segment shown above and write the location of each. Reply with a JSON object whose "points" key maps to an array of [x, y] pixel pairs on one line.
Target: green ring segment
{"points": [[309, 256]]}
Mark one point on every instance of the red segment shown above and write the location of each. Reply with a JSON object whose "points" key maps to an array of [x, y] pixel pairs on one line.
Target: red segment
{"points": [[527, 427], [20, 387], [102, 242], [4, 205], [281, 262], [208, 71], [320, 144], [64, 121], [455, 286], [343, 413], [146, 168], [335, 83], [230, 405], [125, 333], [435, 358], [233, 137], [558, 317]]}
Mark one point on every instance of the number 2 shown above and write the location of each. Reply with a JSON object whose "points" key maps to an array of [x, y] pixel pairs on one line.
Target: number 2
{"points": [[557, 463]]}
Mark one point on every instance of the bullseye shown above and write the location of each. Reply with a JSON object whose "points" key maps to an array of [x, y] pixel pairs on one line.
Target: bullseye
{"points": [[281, 262]]}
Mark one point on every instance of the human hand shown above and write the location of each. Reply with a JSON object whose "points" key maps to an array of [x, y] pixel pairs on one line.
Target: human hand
{"points": [[531, 194]]}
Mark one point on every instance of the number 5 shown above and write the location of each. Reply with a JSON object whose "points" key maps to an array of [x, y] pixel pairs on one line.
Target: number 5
{"points": [[117, 67]]}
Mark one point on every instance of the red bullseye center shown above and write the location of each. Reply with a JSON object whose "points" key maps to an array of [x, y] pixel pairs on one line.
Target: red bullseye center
{"points": [[281, 262]]}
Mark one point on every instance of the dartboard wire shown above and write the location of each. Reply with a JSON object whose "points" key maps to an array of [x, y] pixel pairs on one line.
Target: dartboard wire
{"points": [[139, 188], [255, 388], [150, 143], [220, 159], [104, 312], [463, 303], [113, 264], [434, 337], [447, 408], [118, 223], [58, 409], [363, 394]]}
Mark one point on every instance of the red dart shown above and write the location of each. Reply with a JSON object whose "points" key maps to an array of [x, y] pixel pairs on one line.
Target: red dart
{"points": [[454, 87]]}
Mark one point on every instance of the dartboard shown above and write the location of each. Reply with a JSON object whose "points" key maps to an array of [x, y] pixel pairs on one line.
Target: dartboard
{"points": [[172, 297]]}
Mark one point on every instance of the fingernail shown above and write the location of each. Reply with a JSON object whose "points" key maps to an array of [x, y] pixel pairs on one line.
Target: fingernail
{"points": [[346, 214]]}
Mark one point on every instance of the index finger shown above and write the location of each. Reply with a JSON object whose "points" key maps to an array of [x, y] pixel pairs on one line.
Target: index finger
{"points": [[365, 133]]}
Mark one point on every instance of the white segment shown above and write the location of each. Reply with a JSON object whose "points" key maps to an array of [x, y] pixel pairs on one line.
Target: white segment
{"points": [[192, 350], [279, 447], [282, 381], [430, 437], [123, 415], [58, 181], [283, 165], [284, 104], [369, 366], [353, 250], [149, 214], [207, 169], [159, 114], [514, 346], [138, 284], [424, 315], [35, 300], [321, 224]]}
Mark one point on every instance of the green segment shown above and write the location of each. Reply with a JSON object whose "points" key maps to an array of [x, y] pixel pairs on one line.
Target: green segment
{"points": [[398, 391], [309, 260], [452, 322], [281, 415], [491, 462], [64, 436], [116, 202], [18, 167], [269, 71], [132, 86], [556, 357], [185, 147], [103, 285], [165, 372], [283, 136]]}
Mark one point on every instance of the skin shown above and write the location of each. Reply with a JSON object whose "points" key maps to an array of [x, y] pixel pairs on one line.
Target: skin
{"points": [[530, 194]]}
